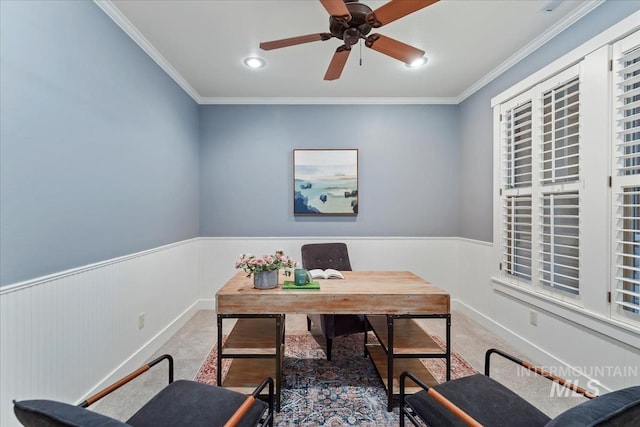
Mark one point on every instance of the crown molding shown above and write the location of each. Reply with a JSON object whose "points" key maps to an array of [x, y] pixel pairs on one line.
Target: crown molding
{"points": [[534, 45], [114, 13], [612, 34], [333, 101]]}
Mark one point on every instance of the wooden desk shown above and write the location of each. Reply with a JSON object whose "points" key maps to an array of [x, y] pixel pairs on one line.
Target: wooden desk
{"points": [[396, 294], [362, 292]]}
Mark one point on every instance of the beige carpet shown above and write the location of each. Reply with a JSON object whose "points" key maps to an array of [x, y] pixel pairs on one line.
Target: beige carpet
{"points": [[191, 345]]}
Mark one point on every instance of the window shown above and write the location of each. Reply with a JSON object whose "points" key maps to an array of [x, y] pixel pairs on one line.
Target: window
{"points": [[517, 173], [560, 156], [626, 180], [517, 236], [559, 237], [540, 133], [560, 136], [517, 167], [567, 168]]}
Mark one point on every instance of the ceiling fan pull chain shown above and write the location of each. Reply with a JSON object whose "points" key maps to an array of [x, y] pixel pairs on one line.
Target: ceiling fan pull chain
{"points": [[351, 22]]}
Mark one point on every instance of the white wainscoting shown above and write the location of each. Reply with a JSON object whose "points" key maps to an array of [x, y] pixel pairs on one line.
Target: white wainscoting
{"points": [[604, 359], [434, 259], [66, 335]]}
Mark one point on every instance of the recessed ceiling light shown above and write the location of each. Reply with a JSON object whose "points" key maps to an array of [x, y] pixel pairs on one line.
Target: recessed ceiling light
{"points": [[550, 5], [254, 62], [418, 62]]}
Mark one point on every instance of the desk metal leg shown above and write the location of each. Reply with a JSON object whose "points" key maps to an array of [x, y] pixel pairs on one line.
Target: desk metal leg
{"points": [[448, 344], [279, 358], [390, 363], [219, 355], [389, 341]]}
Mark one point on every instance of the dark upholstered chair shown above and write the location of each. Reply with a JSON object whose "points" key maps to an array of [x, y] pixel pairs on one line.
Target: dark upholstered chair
{"points": [[181, 403], [478, 400], [336, 256]]}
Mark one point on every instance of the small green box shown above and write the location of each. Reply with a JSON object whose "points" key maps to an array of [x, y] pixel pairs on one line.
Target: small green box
{"points": [[290, 284]]}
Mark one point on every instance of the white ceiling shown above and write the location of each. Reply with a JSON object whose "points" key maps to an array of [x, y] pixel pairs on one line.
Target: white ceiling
{"points": [[202, 44]]}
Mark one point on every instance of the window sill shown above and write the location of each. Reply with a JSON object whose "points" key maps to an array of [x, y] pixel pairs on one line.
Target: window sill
{"points": [[611, 328]]}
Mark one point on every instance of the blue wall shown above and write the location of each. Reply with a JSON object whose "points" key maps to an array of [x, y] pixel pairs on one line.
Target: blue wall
{"points": [[102, 154], [476, 116], [99, 147], [408, 168]]}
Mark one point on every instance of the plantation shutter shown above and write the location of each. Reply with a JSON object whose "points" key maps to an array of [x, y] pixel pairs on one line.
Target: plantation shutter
{"points": [[560, 231], [559, 209], [560, 149], [516, 259], [517, 146], [626, 180], [516, 184]]}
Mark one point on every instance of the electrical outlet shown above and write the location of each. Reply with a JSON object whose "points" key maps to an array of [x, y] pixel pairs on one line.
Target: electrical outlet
{"points": [[140, 320], [533, 317]]}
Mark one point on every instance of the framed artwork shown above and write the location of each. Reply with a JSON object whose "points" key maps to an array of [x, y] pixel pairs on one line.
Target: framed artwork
{"points": [[325, 182]]}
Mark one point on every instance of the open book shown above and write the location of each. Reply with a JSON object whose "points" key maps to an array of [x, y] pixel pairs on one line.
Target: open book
{"points": [[329, 273]]}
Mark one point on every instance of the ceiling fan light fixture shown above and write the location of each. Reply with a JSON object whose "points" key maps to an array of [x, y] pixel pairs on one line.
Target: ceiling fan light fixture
{"points": [[351, 22], [418, 62], [254, 62]]}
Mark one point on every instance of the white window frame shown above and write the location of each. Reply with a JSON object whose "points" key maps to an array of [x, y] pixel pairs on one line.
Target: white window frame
{"points": [[593, 310], [509, 191], [536, 189], [541, 188], [620, 183]]}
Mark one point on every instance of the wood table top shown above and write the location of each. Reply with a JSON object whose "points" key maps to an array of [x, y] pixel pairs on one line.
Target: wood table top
{"points": [[362, 292]]}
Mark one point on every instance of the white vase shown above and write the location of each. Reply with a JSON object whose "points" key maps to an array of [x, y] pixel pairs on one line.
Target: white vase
{"points": [[265, 279]]}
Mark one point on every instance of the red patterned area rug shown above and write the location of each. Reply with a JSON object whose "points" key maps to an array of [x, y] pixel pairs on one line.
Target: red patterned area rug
{"points": [[344, 392]]}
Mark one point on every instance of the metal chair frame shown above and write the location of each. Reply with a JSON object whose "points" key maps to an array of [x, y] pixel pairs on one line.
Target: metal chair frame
{"points": [[408, 411], [232, 421]]}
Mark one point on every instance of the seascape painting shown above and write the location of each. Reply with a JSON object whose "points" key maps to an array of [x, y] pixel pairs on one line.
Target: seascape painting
{"points": [[325, 182]]}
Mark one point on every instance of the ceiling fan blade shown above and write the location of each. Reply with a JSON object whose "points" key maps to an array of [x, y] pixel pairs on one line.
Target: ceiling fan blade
{"points": [[395, 9], [393, 48], [337, 9], [337, 63], [277, 44]]}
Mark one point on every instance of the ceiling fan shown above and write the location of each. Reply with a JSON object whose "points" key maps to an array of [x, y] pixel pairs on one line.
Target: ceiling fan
{"points": [[351, 21]]}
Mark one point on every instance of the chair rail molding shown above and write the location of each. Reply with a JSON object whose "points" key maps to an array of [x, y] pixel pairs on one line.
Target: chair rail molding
{"points": [[67, 334], [95, 309]]}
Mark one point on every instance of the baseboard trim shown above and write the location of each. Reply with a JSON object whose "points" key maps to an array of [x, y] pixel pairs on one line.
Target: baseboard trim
{"points": [[144, 353], [206, 304], [537, 355]]}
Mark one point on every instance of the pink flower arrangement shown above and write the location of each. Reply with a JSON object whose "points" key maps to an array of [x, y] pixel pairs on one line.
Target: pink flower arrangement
{"points": [[252, 264]]}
